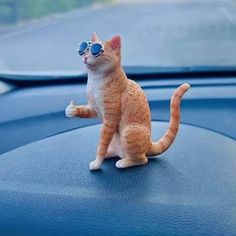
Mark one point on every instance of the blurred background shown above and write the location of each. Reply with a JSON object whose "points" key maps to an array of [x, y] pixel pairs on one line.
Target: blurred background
{"points": [[14, 11], [43, 35]]}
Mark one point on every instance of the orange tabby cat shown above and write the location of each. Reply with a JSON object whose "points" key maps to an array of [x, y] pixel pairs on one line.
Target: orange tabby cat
{"points": [[123, 108]]}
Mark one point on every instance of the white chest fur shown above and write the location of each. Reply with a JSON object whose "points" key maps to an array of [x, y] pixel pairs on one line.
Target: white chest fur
{"points": [[95, 92]]}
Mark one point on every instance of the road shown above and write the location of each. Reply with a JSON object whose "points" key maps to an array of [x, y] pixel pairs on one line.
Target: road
{"points": [[154, 33]]}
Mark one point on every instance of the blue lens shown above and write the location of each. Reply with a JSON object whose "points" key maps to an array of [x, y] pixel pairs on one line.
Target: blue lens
{"points": [[96, 49], [82, 48]]}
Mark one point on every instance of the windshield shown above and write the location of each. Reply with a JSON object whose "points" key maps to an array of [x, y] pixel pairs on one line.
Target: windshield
{"points": [[43, 35]]}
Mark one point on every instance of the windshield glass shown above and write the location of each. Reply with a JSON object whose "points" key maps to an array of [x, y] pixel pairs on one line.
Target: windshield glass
{"points": [[43, 35]]}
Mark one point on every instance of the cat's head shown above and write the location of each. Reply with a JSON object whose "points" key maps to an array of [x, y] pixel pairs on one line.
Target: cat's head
{"points": [[107, 59]]}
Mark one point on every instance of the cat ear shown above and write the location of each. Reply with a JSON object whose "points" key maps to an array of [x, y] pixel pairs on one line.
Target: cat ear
{"points": [[95, 38], [115, 43]]}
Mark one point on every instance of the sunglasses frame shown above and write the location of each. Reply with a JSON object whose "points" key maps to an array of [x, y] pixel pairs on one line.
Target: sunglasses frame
{"points": [[88, 48]]}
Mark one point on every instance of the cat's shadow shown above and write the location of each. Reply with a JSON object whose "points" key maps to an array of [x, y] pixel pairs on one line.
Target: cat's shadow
{"points": [[138, 181]]}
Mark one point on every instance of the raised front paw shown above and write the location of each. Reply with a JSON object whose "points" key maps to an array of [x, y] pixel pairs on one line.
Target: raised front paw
{"points": [[71, 110]]}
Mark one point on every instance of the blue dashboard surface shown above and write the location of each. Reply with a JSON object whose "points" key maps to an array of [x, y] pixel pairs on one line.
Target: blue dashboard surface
{"points": [[46, 187]]}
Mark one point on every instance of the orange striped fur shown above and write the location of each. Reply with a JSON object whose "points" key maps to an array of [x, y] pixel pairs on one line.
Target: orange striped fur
{"points": [[122, 106]]}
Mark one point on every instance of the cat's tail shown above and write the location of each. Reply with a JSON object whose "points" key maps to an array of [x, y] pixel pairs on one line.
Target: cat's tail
{"points": [[164, 143]]}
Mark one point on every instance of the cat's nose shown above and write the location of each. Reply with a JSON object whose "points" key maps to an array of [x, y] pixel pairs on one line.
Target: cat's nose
{"points": [[85, 59]]}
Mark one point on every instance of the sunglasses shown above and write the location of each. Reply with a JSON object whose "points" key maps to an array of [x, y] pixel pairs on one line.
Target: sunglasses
{"points": [[96, 49]]}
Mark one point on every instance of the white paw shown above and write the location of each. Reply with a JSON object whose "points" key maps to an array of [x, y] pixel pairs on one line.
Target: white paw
{"points": [[120, 164], [95, 165], [71, 110], [125, 162]]}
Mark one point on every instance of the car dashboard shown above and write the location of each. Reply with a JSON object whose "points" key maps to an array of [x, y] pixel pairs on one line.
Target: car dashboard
{"points": [[47, 189]]}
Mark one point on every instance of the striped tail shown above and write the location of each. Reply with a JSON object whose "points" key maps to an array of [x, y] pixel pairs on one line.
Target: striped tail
{"points": [[164, 143]]}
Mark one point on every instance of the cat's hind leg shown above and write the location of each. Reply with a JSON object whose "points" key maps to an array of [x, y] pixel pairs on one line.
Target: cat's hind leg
{"points": [[135, 141], [136, 160]]}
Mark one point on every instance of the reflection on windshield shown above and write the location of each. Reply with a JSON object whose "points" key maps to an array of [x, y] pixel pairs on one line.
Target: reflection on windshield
{"points": [[44, 35]]}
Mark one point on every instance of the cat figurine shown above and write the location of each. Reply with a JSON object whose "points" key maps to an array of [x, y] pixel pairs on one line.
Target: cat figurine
{"points": [[122, 106]]}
